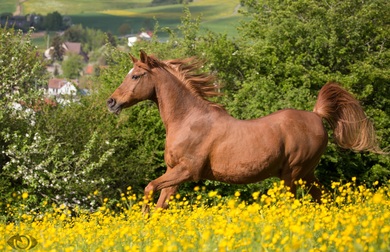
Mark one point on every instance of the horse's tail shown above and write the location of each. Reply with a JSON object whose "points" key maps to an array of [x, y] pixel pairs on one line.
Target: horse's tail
{"points": [[351, 127]]}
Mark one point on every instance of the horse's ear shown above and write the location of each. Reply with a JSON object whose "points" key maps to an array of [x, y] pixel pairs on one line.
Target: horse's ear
{"points": [[151, 62], [132, 58], [144, 56]]}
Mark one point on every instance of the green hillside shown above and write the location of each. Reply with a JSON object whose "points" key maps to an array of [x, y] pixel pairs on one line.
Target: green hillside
{"points": [[7, 6], [217, 15]]}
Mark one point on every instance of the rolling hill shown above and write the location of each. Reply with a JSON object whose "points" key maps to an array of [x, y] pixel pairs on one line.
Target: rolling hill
{"points": [[216, 15]]}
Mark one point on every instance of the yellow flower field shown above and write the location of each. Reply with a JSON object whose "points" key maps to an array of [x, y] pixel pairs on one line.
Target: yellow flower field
{"points": [[351, 218]]}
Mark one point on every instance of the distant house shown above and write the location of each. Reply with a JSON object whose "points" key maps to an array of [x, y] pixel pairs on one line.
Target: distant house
{"points": [[141, 36], [76, 48], [69, 47], [58, 87]]}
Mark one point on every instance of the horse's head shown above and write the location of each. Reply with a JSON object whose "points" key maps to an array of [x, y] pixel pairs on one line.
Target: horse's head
{"points": [[137, 85]]}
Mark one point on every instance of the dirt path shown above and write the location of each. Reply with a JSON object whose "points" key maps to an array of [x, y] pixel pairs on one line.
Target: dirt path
{"points": [[19, 8], [235, 12]]}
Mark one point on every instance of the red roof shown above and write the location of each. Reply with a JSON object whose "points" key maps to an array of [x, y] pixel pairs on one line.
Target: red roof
{"points": [[56, 83], [73, 47], [89, 69]]}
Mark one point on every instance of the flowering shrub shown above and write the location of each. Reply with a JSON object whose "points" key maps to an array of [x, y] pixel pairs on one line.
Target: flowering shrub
{"points": [[351, 218], [21, 78], [57, 172]]}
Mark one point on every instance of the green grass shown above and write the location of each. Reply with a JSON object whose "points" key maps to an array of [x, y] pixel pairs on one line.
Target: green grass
{"points": [[8, 6], [216, 15], [70, 7], [224, 25]]}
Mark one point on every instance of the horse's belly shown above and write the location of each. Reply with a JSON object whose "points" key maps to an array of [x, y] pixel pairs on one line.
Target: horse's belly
{"points": [[243, 177], [247, 156], [243, 169]]}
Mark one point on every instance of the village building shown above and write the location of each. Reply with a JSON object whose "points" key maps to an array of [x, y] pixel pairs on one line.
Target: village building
{"points": [[58, 87], [132, 39], [69, 48]]}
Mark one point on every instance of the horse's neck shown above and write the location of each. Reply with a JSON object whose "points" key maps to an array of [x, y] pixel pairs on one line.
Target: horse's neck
{"points": [[175, 102]]}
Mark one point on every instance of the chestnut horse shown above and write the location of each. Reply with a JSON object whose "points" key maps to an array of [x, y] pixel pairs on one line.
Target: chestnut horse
{"points": [[204, 142]]}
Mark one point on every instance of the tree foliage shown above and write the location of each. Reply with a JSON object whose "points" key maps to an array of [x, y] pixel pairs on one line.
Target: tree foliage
{"points": [[53, 21], [91, 39], [58, 49], [292, 48], [72, 66]]}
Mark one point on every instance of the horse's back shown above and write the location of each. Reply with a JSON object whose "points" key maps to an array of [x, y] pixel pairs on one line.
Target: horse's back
{"points": [[294, 129]]}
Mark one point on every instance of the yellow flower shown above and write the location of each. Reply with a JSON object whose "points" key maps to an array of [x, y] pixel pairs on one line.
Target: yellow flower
{"points": [[25, 195], [213, 194], [377, 198], [278, 222]]}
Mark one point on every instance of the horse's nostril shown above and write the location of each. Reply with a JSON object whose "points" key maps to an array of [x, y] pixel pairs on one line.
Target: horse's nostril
{"points": [[111, 102]]}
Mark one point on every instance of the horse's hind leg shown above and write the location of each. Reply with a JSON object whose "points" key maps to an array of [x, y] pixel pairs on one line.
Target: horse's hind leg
{"points": [[287, 177], [291, 176], [315, 187]]}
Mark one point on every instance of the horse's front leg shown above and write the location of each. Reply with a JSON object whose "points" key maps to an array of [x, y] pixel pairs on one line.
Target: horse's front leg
{"points": [[169, 181], [166, 193]]}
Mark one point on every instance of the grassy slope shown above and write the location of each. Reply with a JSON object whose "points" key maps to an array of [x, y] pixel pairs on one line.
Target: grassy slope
{"points": [[7, 6], [217, 15]]}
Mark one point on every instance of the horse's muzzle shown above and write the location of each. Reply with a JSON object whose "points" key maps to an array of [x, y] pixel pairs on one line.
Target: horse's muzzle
{"points": [[113, 106]]}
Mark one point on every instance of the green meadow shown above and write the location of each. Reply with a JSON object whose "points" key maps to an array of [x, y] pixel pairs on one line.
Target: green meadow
{"points": [[7, 6], [216, 15]]}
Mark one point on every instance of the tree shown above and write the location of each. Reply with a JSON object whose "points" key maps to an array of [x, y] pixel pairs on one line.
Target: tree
{"points": [[91, 39], [53, 21], [58, 49], [75, 33], [111, 39], [124, 29], [72, 66]]}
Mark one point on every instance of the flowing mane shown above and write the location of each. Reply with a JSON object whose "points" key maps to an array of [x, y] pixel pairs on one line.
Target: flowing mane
{"points": [[200, 84]]}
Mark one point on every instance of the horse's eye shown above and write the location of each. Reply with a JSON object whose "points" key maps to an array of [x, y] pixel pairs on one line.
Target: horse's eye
{"points": [[136, 77]]}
